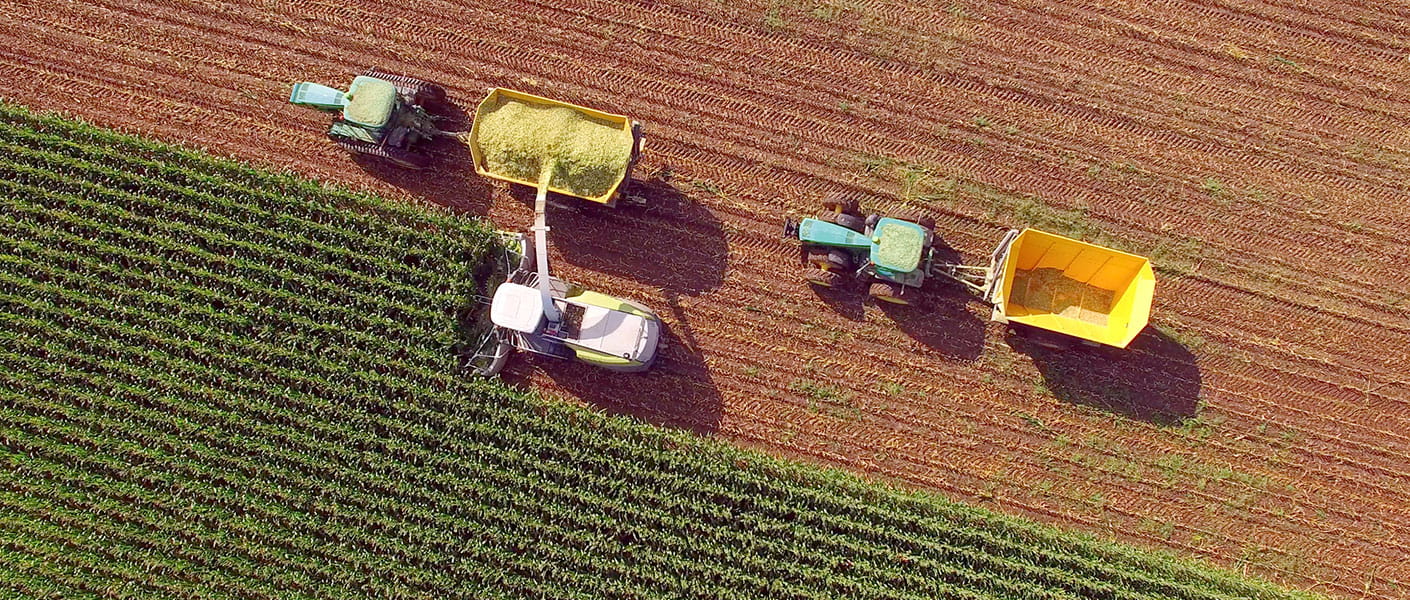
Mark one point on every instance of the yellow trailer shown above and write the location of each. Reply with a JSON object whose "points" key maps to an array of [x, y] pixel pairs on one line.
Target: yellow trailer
{"points": [[591, 152], [1071, 287]]}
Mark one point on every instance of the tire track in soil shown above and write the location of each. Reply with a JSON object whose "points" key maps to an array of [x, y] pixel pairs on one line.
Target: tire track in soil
{"points": [[772, 138]]}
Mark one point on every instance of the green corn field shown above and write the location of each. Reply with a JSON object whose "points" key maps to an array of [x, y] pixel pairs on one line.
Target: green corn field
{"points": [[217, 382]]}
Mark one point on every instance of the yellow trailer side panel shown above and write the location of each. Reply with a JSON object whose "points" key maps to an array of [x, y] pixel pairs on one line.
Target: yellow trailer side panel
{"points": [[1076, 288], [514, 131]]}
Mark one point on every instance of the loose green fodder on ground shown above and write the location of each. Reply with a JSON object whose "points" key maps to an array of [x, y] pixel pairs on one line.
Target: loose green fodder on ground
{"points": [[590, 155], [220, 382]]}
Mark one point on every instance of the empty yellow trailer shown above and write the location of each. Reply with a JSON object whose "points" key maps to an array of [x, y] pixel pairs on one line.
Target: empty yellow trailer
{"points": [[1071, 287]]}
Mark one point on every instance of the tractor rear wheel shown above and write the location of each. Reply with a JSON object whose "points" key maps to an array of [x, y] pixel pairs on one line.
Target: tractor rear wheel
{"points": [[842, 204], [430, 95], [887, 291], [829, 259], [850, 221], [925, 221], [821, 277]]}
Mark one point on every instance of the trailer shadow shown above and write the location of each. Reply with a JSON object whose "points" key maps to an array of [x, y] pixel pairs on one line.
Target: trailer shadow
{"points": [[672, 243], [678, 392], [1156, 379]]}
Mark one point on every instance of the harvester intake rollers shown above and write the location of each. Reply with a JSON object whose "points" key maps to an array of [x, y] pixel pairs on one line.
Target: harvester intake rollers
{"points": [[410, 160], [887, 291], [821, 277]]}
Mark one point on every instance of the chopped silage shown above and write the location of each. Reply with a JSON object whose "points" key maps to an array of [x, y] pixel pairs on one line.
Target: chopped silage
{"points": [[900, 245], [589, 155], [1048, 290]]}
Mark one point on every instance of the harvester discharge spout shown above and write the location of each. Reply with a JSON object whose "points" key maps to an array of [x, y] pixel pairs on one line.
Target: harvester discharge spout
{"points": [[540, 228]]}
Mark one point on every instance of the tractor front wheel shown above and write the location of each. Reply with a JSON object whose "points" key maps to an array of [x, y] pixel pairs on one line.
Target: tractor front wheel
{"points": [[887, 291], [822, 277]]}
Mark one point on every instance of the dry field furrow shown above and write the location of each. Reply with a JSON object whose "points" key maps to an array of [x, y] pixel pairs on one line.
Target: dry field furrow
{"points": [[1257, 149]]}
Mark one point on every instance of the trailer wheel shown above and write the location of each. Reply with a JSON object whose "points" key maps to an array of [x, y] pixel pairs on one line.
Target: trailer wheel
{"points": [[821, 277], [1047, 340], [887, 291]]}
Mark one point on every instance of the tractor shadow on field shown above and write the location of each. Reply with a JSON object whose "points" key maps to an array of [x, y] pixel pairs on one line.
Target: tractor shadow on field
{"points": [[672, 243], [939, 316], [1156, 379], [678, 392], [450, 181], [941, 322]]}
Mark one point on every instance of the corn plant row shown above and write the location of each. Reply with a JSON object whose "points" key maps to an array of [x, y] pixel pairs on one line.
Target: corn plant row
{"points": [[223, 382], [126, 204]]}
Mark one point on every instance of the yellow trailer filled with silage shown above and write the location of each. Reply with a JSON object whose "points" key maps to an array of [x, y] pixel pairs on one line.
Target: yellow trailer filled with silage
{"points": [[591, 152], [1073, 287]]}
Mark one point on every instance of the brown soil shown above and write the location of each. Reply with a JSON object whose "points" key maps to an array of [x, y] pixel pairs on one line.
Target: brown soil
{"points": [[1258, 151]]}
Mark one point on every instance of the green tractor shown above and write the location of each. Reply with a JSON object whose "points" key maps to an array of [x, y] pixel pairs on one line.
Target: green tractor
{"points": [[381, 115], [891, 256]]}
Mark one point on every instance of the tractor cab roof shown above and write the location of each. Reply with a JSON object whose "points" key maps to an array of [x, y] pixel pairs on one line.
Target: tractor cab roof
{"points": [[370, 101], [897, 245], [517, 307]]}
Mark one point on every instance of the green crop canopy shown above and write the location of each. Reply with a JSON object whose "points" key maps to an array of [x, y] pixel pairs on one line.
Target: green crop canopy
{"points": [[371, 101]]}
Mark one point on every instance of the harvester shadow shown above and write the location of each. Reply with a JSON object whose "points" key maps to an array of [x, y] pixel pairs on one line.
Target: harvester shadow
{"points": [[451, 180], [678, 392], [1156, 379], [673, 243]]}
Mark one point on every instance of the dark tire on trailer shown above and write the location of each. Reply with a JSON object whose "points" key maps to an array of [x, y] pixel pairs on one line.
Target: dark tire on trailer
{"points": [[822, 278], [1047, 340], [887, 291], [842, 204], [853, 222]]}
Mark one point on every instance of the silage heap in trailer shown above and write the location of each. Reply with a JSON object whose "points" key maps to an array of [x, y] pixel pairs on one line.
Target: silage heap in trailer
{"points": [[1072, 287], [514, 133]]}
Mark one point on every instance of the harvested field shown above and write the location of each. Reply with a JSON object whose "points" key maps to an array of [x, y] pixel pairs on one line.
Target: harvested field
{"points": [[1258, 151]]}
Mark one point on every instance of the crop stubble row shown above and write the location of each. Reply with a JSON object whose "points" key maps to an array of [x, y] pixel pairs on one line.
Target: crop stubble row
{"points": [[803, 100]]}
